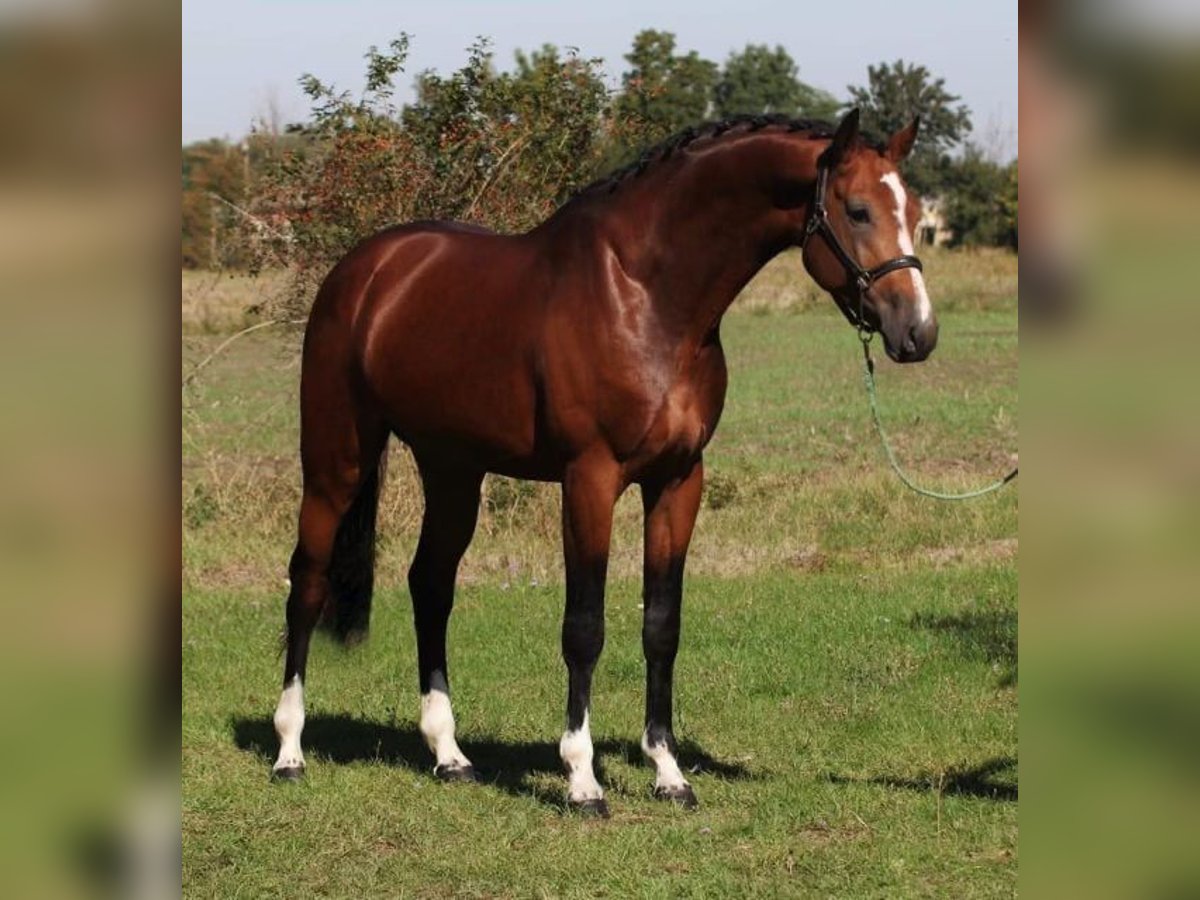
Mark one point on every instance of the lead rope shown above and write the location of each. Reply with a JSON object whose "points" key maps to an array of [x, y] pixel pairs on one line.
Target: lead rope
{"points": [[864, 335]]}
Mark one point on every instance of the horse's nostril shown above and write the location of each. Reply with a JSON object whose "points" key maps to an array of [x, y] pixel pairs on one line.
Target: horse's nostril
{"points": [[910, 342]]}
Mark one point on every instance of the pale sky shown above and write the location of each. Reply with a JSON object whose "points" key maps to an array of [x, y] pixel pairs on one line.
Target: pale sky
{"points": [[239, 56]]}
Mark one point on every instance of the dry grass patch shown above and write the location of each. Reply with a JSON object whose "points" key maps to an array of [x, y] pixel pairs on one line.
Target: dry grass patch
{"points": [[221, 302]]}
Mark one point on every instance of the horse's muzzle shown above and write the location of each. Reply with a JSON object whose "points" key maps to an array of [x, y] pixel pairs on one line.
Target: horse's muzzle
{"points": [[911, 343]]}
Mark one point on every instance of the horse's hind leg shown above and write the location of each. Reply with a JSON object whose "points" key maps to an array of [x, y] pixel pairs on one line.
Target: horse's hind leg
{"points": [[341, 460], [319, 516], [670, 508], [451, 509]]}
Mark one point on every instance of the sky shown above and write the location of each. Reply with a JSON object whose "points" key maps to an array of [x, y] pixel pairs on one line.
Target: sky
{"points": [[241, 57]]}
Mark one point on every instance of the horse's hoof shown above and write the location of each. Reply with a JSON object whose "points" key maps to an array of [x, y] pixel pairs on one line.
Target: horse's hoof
{"points": [[455, 773], [287, 773], [596, 808], [684, 796]]}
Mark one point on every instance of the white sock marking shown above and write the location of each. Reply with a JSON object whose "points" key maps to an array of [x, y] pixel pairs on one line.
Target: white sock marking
{"points": [[437, 723], [289, 722], [669, 777], [924, 307], [575, 748]]}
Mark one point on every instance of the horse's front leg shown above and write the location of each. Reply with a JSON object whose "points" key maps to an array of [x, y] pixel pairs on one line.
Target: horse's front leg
{"points": [[670, 506], [590, 489]]}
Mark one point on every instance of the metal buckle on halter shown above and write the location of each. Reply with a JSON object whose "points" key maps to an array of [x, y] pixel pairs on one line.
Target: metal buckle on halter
{"points": [[813, 225], [864, 331]]}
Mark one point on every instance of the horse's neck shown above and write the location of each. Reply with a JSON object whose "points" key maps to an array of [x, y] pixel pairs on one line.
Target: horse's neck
{"points": [[695, 243]]}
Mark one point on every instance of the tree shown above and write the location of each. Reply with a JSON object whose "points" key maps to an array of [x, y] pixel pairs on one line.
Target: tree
{"points": [[666, 91], [215, 175], [1008, 203], [760, 80], [897, 92], [981, 200]]}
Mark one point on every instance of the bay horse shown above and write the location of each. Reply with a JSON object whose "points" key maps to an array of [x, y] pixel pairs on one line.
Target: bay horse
{"points": [[585, 352]]}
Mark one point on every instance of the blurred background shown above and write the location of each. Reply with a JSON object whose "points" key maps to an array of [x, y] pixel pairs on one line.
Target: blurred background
{"points": [[88, 524], [1110, 713]]}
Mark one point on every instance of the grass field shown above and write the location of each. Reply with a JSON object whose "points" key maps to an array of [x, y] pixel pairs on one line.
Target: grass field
{"points": [[847, 683]]}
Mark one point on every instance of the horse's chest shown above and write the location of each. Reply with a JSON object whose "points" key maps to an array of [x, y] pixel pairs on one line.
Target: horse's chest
{"points": [[684, 420], [680, 428]]}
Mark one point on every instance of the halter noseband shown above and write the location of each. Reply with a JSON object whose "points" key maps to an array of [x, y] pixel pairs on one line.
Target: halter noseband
{"points": [[818, 221]]}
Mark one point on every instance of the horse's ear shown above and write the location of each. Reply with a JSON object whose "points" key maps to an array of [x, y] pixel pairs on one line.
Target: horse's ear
{"points": [[901, 143], [847, 131]]}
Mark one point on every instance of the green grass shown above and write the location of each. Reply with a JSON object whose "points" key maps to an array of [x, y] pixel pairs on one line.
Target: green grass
{"points": [[846, 688]]}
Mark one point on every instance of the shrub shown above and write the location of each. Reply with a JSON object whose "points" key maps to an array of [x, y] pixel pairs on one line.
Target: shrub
{"points": [[496, 149]]}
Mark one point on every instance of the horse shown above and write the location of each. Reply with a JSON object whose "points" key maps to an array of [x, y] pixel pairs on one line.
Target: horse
{"points": [[585, 352]]}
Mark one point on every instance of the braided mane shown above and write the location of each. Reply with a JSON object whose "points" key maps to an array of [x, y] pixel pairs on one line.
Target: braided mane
{"points": [[664, 150]]}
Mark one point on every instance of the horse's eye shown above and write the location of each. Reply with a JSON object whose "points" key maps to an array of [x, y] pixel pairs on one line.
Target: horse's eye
{"points": [[859, 215]]}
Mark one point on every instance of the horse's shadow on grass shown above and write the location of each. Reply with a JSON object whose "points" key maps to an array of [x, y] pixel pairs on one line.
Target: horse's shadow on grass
{"points": [[989, 634], [508, 765], [968, 781]]}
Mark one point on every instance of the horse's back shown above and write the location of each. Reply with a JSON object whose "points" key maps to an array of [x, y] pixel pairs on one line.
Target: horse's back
{"points": [[390, 267]]}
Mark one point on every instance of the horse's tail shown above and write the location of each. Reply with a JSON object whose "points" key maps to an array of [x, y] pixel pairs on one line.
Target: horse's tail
{"points": [[352, 568]]}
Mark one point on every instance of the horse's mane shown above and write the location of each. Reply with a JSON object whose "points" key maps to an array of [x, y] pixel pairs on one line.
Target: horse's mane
{"points": [[742, 124]]}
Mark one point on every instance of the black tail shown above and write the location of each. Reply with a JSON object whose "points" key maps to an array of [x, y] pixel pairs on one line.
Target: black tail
{"points": [[352, 569]]}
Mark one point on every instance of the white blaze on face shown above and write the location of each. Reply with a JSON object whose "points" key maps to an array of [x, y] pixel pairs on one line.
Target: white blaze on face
{"points": [[289, 722], [575, 748], [437, 723], [924, 307]]}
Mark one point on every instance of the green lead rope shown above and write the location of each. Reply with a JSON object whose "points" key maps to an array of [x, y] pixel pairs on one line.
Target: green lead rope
{"points": [[869, 363]]}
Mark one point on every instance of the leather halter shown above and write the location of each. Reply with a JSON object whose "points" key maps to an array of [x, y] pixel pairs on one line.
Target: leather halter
{"points": [[818, 221]]}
